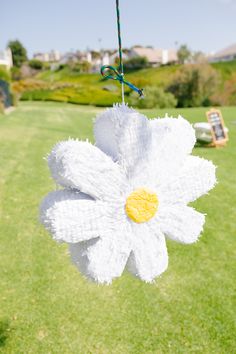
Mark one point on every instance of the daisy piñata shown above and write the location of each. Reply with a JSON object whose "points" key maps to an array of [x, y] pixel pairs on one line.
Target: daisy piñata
{"points": [[122, 196]]}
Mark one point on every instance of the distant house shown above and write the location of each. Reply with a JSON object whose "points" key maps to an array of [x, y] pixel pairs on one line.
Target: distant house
{"points": [[112, 59], [52, 56], [155, 56], [41, 56], [69, 57], [226, 54], [6, 58], [172, 56], [98, 60], [84, 56]]}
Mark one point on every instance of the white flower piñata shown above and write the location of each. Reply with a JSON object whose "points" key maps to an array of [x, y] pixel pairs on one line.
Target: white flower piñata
{"points": [[123, 196]]}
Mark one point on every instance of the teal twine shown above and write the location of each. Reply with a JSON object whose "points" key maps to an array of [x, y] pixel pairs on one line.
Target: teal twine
{"points": [[109, 72], [121, 68]]}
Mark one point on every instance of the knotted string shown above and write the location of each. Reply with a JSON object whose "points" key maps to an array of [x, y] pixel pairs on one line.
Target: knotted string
{"points": [[109, 72]]}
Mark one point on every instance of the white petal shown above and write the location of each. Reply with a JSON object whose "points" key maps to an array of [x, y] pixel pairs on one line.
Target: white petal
{"points": [[125, 135], [172, 139], [195, 178], [149, 256], [102, 260], [148, 150], [105, 129], [172, 135], [180, 223], [72, 217], [83, 166], [79, 255]]}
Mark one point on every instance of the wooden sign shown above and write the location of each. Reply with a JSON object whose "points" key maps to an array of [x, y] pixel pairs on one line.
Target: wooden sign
{"points": [[216, 121]]}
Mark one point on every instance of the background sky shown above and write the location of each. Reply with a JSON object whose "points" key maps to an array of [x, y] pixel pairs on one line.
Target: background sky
{"points": [[207, 25]]}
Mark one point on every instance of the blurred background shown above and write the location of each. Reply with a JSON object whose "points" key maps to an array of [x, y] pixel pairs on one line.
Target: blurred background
{"points": [[182, 53]]}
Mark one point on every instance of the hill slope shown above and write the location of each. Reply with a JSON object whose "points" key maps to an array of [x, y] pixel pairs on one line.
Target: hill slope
{"points": [[68, 86]]}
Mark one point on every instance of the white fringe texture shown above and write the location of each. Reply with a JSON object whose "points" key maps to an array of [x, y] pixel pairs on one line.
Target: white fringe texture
{"points": [[89, 212]]}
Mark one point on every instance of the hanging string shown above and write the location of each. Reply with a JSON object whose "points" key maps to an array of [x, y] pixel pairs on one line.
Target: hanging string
{"points": [[109, 72], [121, 66]]}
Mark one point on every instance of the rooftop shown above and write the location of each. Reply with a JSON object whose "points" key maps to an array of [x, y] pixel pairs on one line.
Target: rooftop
{"points": [[231, 50]]}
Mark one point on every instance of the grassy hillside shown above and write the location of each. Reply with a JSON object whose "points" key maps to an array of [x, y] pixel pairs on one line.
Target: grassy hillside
{"points": [[94, 90], [161, 75], [225, 69], [46, 306]]}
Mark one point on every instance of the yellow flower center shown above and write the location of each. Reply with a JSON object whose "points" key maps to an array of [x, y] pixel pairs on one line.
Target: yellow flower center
{"points": [[141, 205]]}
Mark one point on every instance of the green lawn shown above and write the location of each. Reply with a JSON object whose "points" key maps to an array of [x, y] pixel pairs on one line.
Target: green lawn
{"points": [[46, 306]]}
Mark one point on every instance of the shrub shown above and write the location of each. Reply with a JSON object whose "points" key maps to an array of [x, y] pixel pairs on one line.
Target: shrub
{"points": [[228, 96], [194, 85], [155, 97], [4, 74], [1, 108], [37, 95], [135, 63], [81, 67], [29, 85], [61, 67], [75, 67], [230, 91], [15, 98], [36, 64], [16, 73], [35, 84], [72, 94]]}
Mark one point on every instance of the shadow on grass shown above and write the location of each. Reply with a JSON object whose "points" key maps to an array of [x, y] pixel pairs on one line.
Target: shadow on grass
{"points": [[4, 332]]}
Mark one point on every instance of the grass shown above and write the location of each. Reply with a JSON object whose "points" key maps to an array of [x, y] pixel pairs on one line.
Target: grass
{"points": [[225, 68], [88, 89], [160, 76], [46, 306], [76, 95], [152, 76]]}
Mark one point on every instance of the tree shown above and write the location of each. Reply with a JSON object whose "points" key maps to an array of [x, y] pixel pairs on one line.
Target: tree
{"points": [[183, 53], [95, 54], [230, 91], [226, 96], [19, 54], [194, 85], [199, 57], [36, 64]]}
